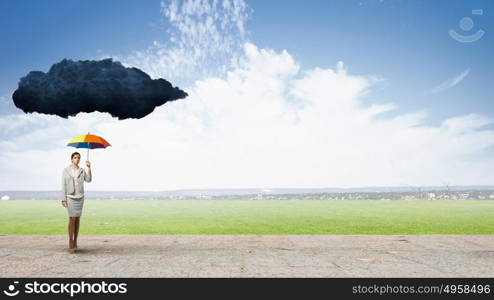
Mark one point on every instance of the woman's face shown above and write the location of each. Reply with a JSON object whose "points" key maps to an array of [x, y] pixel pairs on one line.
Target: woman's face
{"points": [[76, 159]]}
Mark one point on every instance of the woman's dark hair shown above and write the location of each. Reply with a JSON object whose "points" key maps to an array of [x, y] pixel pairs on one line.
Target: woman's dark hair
{"points": [[75, 153]]}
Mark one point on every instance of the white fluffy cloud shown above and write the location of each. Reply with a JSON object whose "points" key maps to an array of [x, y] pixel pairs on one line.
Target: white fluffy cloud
{"points": [[204, 39], [266, 123]]}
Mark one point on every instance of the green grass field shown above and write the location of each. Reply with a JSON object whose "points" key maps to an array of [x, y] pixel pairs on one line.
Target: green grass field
{"points": [[253, 217]]}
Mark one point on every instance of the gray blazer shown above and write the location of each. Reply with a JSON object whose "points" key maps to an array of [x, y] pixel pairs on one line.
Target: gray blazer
{"points": [[68, 185]]}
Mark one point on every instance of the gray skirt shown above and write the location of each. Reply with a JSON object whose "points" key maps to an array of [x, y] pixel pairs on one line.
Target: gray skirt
{"points": [[74, 206]]}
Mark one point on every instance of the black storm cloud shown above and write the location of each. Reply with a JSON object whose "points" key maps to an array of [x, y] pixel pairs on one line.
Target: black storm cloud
{"points": [[71, 87]]}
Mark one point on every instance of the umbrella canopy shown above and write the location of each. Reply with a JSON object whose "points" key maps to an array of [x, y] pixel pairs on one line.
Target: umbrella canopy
{"points": [[89, 141]]}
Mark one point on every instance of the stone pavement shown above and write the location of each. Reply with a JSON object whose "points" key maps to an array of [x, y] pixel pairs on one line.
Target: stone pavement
{"points": [[248, 256]]}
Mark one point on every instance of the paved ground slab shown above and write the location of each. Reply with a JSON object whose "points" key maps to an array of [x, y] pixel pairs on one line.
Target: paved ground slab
{"points": [[248, 256]]}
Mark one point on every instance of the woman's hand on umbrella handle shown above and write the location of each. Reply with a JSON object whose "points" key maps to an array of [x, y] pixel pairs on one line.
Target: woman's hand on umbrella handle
{"points": [[88, 163]]}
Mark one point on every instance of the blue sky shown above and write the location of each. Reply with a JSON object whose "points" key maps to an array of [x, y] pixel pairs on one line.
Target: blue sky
{"points": [[428, 120], [405, 42]]}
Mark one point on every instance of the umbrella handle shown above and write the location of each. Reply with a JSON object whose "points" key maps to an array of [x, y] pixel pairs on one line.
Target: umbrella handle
{"points": [[88, 149]]}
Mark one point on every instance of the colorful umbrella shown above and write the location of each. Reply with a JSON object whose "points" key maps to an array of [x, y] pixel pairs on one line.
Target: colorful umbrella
{"points": [[89, 141]]}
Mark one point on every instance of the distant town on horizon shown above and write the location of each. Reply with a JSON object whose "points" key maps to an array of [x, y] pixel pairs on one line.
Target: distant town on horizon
{"points": [[384, 193]]}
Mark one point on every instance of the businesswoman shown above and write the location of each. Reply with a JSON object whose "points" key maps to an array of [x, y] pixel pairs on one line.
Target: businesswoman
{"points": [[73, 178]]}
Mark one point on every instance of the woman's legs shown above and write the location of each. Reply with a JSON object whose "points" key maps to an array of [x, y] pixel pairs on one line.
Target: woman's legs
{"points": [[71, 227], [76, 231]]}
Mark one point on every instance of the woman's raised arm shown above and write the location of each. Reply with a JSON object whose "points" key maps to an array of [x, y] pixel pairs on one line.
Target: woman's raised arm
{"points": [[87, 175]]}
